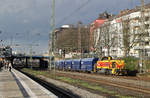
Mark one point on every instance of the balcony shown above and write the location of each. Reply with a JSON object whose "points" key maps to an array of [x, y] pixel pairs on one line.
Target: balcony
{"points": [[135, 24]]}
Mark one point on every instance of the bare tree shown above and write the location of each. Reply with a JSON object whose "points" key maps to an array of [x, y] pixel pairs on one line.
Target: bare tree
{"points": [[129, 36], [105, 40], [126, 37]]}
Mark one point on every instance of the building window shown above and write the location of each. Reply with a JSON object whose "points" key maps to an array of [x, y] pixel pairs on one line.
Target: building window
{"points": [[146, 43], [146, 26], [146, 18]]}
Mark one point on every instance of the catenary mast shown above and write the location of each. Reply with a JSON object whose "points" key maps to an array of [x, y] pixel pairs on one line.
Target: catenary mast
{"points": [[52, 34]]}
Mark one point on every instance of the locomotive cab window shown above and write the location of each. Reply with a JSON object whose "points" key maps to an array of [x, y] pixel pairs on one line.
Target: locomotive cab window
{"points": [[113, 64], [107, 58]]}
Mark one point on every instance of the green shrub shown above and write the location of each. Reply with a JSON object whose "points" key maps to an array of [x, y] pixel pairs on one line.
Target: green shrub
{"points": [[131, 63], [147, 63]]}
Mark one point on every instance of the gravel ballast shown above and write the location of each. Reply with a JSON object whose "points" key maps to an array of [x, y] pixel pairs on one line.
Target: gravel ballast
{"points": [[76, 90]]}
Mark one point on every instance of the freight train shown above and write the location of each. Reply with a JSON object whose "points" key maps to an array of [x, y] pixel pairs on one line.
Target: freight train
{"points": [[106, 65]]}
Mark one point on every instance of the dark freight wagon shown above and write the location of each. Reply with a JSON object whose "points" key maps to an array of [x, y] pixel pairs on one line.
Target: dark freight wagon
{"points": [[61, 64], [76, 65], [57, 64], [68, 64], [87, 64]]}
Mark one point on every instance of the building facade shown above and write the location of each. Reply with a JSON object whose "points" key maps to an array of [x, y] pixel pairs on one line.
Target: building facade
{"points": [[72, 40], [126, 34]]}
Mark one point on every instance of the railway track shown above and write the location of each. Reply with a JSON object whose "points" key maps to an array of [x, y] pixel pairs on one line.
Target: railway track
{"points": [[61, 93], [91, 78], [96, 74], [138, 81], [130, 87]]}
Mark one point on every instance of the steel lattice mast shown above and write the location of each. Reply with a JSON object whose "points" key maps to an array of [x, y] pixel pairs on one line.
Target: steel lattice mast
{"points": [[142, 34], [52, 34]]}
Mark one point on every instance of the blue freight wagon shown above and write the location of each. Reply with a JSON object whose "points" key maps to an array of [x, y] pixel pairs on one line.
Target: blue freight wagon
{"points": [[68, 64], [76, 65], [57, 64], [61, 64], [87, 64]]}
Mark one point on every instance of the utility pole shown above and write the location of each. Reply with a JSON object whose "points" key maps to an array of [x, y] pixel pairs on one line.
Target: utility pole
{"points": [[11, 41], [31, 52], [52, 36], [31, 55], [79, 39], [108, 39], [142, 42]]}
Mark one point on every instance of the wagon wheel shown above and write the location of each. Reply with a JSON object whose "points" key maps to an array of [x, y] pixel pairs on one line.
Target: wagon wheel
{"points": [[107, 72]]}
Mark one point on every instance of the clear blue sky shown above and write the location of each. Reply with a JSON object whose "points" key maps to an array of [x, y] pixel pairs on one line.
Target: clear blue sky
{"points": [[28, 21]]}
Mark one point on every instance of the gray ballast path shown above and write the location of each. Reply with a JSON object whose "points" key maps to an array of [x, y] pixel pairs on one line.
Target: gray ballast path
{"points": [[76, 90], [16, 85]]}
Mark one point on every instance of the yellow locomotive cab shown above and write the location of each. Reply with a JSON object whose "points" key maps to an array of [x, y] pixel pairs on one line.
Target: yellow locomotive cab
{"points": [[109, 66]]}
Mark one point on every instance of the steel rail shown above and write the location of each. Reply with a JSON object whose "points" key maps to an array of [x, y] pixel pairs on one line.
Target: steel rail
{"points": [[106, 82]]}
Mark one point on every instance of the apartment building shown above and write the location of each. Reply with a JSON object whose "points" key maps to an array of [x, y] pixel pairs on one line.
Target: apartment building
{"points": [[126, 34], [71, 39]]}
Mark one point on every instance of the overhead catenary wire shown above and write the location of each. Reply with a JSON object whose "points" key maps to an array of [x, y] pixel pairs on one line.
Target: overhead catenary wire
{"points": [[75, 11]]}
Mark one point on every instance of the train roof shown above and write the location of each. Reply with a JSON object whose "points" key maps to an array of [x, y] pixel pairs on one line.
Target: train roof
{"points": [[76, 60], [89, 59]]}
